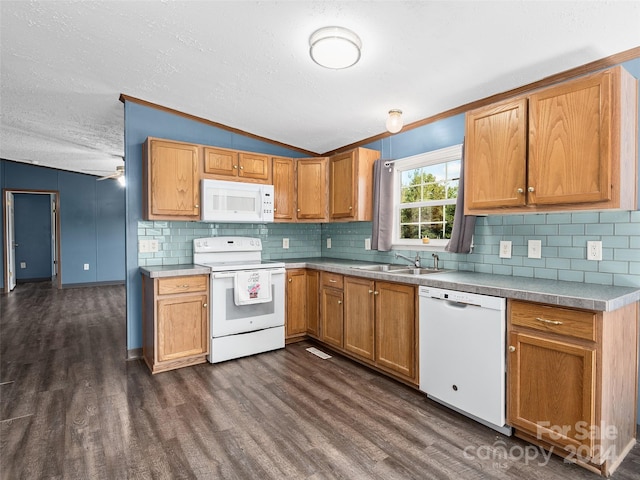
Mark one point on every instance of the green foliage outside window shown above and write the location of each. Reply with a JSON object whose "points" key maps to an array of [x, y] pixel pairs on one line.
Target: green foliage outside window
{"points": [[427, 197]]}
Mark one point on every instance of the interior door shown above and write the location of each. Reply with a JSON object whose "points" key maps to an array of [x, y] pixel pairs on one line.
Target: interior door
{"points": [[10, 242]]}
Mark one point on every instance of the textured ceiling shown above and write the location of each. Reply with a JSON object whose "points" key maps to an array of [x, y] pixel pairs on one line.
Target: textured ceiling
{"points": [[245, 64]]}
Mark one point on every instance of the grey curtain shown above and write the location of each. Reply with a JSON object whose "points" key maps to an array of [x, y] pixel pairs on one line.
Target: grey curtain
{"points": [[382, 229], [463, 225]]}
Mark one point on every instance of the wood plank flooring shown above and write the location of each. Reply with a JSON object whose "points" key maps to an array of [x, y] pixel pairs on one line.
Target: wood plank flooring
{"points": [[73, 408]]}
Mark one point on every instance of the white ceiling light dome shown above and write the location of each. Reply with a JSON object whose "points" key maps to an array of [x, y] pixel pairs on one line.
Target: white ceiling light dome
{"points": [[394, 121], [335, 47]]}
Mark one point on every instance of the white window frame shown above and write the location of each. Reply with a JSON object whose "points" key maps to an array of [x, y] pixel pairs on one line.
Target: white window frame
{"points": [[409, 163]]}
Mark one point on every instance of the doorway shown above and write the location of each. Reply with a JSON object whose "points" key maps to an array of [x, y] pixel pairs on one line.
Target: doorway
{"points": [[35, 215]]}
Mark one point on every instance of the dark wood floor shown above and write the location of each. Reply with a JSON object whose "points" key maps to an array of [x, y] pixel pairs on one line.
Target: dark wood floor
{"points": [[72, 407]]}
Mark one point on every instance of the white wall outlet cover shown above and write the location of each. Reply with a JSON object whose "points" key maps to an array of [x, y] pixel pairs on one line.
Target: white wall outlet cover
{"points": [[86, 266], [535, 249], [23, 264], [505, 249], [328, 243], [285, 243], [153, 245], [594, 250]]}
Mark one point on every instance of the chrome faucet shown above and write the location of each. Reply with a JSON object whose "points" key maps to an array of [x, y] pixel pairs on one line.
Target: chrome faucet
{"points": [[415, 261], [435, 261]]}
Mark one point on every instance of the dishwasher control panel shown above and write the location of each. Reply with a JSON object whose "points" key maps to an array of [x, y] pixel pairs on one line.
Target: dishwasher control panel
{"points": [[485, 301]]}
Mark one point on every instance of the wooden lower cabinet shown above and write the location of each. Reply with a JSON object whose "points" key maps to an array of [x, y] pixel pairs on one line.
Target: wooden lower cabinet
{"points": [[175, 321], [572, 378], [302, 312], [331, 316], [396, 331], [380, 325], [359, 311], [296, 308]]}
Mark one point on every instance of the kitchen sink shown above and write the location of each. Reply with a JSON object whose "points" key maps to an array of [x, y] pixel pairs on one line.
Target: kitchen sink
{"points": [[418, 271], [383, 268], [399, 269]]}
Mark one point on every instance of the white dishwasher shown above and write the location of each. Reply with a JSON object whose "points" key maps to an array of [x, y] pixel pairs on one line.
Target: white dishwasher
{"points": [[462, 353]]}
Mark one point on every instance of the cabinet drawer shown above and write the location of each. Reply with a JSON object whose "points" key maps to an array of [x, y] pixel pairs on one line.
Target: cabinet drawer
{"points": [[332, 280], [563, 321], [192, 283]]}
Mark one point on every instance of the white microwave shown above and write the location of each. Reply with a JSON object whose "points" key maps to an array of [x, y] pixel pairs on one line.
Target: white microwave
{"points": [[236, 202]]}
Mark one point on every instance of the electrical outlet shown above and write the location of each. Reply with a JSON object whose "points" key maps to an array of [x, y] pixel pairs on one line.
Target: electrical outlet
{"points": [[285, 243], [594, 250], [367, 244], [23, 264], [505, 249], [153, 245], [143, 246], [86, 266], [535, 249], [328, 243]]}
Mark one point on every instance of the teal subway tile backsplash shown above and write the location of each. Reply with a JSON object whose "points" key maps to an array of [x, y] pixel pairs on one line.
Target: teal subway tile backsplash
{"points": [[563, 237]]}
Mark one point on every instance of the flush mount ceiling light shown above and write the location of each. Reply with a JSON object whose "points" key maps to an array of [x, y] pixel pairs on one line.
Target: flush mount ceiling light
{"points": [[394, 121], [335, 47]]}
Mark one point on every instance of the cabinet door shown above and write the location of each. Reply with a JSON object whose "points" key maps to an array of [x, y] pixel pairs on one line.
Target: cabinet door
{"points": [[283, 188], [342, 202], [220, 161], [495, 156], [173, 181], [296, 323], [311, 194], [253, 165], [182, 327], [552, 389], [331, 316], [313, 303], [570, 142], [396, 328], [359, 317]]}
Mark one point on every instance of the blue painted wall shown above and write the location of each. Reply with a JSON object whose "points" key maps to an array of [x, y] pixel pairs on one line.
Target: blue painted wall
{"points": [[92, 218], [32, 222]]}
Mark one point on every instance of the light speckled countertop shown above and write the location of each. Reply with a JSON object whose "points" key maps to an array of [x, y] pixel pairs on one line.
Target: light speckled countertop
{"points": [[569, 294]]}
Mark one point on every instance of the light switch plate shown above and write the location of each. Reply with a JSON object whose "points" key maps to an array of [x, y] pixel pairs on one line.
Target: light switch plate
{"points": [[86, 266], [535, 249], [285, 243], [505, 249], [23, 264], [328, 243], [367, 244]]}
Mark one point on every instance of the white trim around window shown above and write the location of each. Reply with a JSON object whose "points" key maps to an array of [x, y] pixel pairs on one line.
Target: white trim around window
{"points": [[435, 157]]}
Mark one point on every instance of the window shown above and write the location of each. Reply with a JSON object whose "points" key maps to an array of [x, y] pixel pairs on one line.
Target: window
{"points": [[425, 193]]}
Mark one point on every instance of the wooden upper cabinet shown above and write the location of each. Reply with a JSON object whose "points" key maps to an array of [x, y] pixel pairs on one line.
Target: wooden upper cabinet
{"points": [[220, 161], [226, 164], [496, 155], [570, 142], [171, 172], [311, 190], [254, 165], [351, 185], [567, 147], [283, 171]]}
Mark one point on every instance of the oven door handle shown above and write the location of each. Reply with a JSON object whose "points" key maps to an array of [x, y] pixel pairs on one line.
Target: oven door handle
{"points": [[274, 271]]}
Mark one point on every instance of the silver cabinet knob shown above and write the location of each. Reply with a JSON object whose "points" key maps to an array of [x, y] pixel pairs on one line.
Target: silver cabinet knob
{"points": [[370, 291], [512, 348], [531, 189], [204, 305], [339, 302], [350, 207], [235, 166], [376, 292], [241, 167], [520, 190]]}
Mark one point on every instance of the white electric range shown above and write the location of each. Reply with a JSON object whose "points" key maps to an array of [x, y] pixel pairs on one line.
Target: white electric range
{"points": [[247, 297]]}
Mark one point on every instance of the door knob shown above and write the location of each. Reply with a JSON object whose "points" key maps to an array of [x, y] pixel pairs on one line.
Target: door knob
{"points": [[512, 348]]}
